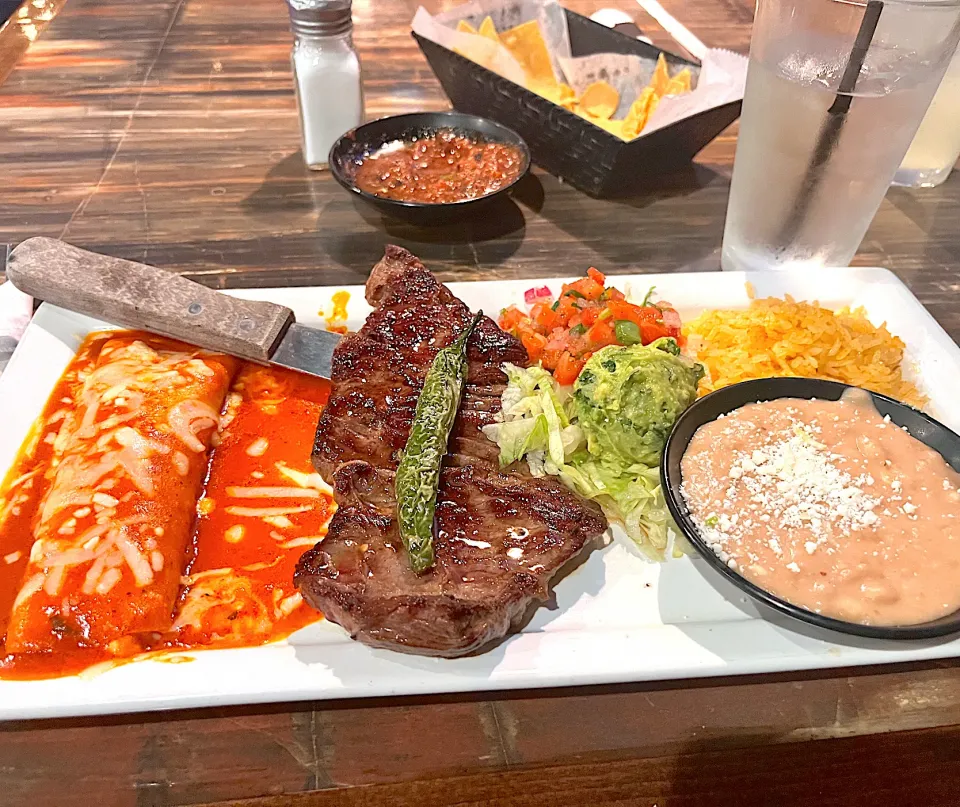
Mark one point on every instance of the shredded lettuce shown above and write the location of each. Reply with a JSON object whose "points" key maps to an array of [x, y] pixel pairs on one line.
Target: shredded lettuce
{"points": [[535, 419], [538, 425]]}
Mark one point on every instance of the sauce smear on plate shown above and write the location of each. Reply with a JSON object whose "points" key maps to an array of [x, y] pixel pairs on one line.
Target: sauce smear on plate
{"points": [[831, 507]]}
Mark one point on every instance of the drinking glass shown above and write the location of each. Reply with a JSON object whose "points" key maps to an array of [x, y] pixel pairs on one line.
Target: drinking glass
{"points": [[835, 92], [936, 145]]}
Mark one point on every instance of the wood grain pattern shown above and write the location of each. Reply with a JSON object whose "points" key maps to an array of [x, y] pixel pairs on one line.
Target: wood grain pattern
{"points": [[792, 775], [164, 131]]}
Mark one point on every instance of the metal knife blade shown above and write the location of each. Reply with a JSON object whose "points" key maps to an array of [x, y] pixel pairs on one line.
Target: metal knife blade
{"points": [[306, 349], [139, 296]]}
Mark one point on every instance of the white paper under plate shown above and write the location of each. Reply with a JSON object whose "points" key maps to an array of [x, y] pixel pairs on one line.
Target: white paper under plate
{"points": [[617, 618]]}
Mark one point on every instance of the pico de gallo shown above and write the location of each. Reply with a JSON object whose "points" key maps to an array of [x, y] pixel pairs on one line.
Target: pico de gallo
{"points": [[563, 333]]}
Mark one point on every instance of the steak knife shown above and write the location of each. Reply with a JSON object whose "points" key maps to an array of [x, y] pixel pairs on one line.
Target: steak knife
{"points": [[139, 296]]}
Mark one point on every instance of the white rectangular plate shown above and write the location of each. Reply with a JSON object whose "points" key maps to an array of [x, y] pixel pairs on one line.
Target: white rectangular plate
{"points": [[617, 618]]}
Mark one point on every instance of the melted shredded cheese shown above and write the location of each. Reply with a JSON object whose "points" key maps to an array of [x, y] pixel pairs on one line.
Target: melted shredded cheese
{"points": [[188, 419], [307, 540], [234, 534], [304, 480], [257, 512], [266, 492], [258, 447]]}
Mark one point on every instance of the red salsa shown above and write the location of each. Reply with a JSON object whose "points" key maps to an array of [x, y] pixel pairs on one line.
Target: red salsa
{"points": [[439, 168]]}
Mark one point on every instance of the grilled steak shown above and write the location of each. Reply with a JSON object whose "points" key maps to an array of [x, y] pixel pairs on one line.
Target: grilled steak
{"points": [[500, 535]]}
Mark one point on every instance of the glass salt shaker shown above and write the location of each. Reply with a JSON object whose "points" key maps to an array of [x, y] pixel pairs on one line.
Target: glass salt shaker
{"points": [[326, 75]]}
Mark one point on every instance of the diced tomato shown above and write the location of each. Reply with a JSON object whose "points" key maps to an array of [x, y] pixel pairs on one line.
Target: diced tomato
{"points": [[544, 316], [589, 315], [551, 357], [595, 276], [563, 335], [510, 318], [601, 335], [568, 307], [651, 331], [568, 368], [634, 313], [586, 286], [534, 343]]}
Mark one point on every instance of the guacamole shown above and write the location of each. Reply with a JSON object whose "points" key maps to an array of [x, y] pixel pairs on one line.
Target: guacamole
{"points": [[628, 398]]}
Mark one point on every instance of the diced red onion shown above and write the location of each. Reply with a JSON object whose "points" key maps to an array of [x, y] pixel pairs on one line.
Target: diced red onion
{"points": [[671, 318], [530, 296]]}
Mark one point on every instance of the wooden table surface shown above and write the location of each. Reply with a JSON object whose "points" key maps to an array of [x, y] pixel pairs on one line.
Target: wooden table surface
{"points": [[165, 131]]}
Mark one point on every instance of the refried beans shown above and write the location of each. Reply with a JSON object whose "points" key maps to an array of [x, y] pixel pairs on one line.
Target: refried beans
{"points": [[830, 507]]}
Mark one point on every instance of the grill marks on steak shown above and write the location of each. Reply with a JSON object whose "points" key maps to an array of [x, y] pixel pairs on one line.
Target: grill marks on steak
{"points": [[500, 535]]}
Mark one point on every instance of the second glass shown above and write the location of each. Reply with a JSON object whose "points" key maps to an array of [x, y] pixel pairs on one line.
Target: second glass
{"points": [[936, 145], [835, 92]]}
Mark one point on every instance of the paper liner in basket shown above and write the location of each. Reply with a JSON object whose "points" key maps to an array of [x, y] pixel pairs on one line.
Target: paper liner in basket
{"points": [[720, 79]]}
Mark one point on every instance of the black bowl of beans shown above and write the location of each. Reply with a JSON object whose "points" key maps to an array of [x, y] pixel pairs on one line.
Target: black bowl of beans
{"points": [[429, 167], [827, 503]]}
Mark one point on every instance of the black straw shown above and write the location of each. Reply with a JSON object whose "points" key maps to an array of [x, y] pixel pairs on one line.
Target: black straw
{"points": [[830, 130]]}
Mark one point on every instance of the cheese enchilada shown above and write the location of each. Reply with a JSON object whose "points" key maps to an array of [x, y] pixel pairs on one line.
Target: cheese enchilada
{"points": [[128, 461]]}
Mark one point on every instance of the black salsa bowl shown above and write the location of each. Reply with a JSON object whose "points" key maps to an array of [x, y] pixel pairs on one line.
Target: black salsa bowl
{"points": [[924, 428], [352, 147]]}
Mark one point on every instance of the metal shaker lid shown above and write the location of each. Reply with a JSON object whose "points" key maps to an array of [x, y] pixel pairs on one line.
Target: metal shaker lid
{"points": [[320, 17]]}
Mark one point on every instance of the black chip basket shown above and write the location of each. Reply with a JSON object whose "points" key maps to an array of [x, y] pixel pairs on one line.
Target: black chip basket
{"points": [[562, 142]]}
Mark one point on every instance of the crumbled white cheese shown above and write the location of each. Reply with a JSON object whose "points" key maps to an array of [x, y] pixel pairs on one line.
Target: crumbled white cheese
{"points": [[793, 481]]}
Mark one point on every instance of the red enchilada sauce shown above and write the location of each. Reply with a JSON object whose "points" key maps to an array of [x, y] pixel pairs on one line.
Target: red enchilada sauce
{"points": [[439, 168], [262, 505]]}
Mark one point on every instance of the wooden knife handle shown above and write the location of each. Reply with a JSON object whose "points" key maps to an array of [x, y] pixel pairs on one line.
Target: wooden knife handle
{"points": [[140, 296]]}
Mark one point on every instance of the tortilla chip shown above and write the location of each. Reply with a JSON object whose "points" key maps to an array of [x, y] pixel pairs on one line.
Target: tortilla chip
{"points": [[488, 29], [615, 127], [481, 50], [527, 45], [640, 112], [568, 98], [679, 84], [465, 27], [600, 100], [579, 110], [556, 92], [630, 128], [661, 77]]}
